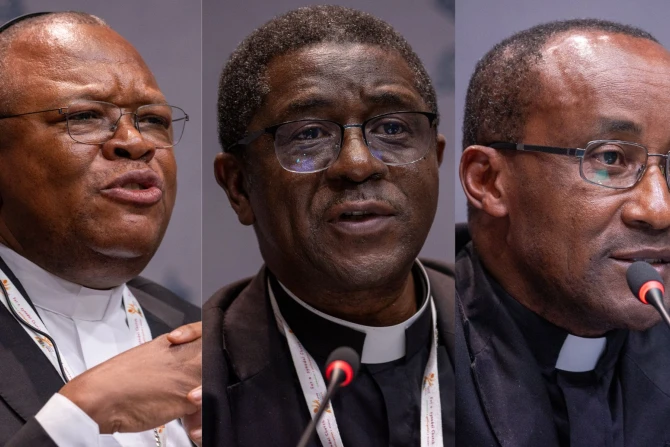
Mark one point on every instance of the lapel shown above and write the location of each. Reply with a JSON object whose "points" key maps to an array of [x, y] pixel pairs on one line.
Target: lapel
{"points": [[249, 322], [261, 360], [442, 289], [161, 317], [503, 368], [28, 377], [644, 367]]}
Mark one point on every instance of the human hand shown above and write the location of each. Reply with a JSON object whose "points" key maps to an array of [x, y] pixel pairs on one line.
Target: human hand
{"points": [[193, 422], [144, 387], [187, 333]]}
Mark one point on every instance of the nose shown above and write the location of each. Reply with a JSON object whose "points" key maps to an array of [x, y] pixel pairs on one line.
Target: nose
{"points": [[355, 163], [649, 205], [127, 141]]}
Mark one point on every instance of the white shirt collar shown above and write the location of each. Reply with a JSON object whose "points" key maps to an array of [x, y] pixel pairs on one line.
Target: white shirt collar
{"points": [[580, 354], [49, 292], [382, 344]]}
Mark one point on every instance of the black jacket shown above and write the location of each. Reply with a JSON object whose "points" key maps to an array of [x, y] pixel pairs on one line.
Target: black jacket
{"points": [[247, 367], [501, 397], [27, 377]]}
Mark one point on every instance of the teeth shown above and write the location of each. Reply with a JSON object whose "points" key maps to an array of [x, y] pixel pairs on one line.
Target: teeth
{"points": [[132, 186]]}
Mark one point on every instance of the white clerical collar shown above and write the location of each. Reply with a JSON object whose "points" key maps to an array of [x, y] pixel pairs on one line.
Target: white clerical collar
{"points": [[580, 354], [49, 292], [382, 344]]}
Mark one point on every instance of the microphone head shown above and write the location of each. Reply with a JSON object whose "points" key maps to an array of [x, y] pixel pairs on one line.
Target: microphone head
{"points": [[641, 276], [347, 360]]}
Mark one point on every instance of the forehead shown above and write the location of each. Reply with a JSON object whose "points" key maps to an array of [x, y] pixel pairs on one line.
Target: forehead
{"points": [[590, 77], [72, 61], [345, 79]]}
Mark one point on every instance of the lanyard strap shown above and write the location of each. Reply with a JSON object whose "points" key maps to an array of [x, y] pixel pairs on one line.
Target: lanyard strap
{"points": [[134, 316], [314, 387]]}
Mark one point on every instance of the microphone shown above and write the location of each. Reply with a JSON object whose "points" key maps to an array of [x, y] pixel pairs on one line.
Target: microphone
{"points": [[647, 285], [342, 367]]}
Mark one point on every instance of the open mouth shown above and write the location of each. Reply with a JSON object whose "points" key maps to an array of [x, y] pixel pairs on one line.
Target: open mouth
{"points": [[135, 186], [361, 218], [138, 187], [648, 260], [357, 216]]}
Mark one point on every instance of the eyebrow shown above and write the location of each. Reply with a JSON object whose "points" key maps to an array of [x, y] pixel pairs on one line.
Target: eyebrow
{"points": [[390, 99], [307, 104], [609, 126], [382, 99]]}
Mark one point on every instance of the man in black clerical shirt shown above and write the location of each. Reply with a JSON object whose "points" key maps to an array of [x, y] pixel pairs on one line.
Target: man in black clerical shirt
{"points": [[565, 170], [328, 122]]}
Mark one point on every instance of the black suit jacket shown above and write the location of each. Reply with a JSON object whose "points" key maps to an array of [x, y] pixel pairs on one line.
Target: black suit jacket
{"points": [[27, 377], [252, 395], [501, 397]]}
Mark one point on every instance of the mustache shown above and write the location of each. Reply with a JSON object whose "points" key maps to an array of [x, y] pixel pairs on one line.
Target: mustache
{"points": [[640, 240], [359, 196]]}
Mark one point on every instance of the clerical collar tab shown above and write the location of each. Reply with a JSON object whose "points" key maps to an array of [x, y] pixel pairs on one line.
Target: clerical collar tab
{"points": [[382, 344], [580, 354]]}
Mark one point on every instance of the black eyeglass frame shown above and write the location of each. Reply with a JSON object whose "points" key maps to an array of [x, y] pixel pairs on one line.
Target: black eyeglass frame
{"points": [[579, 153], [272, 130], [63, 111]]}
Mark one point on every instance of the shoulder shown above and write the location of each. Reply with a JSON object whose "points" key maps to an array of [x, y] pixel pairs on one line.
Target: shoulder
{"points": [[435, 267], [236, 306], [223, 298], [241, 335], [162, 302], [441, 277]]}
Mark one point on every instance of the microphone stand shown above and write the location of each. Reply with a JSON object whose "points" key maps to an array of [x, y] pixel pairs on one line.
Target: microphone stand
{"points": [[655, 298], [337, 378]]}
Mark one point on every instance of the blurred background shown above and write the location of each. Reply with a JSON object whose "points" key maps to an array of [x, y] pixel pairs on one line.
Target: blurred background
{"points": [[230, 251], [168, 36], [483, 23]]}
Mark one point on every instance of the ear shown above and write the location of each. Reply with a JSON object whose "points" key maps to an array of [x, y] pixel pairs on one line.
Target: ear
{"points": [[480, 173], [230, 175], [439, 148]]}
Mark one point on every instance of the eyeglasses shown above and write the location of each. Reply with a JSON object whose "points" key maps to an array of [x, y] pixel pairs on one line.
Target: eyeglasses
{"points": [[95, 122], [609, 163], [307, 146]]}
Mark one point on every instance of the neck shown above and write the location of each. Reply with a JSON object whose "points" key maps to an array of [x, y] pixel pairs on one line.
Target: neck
{"points": [[381, 306], [100, 274], [543, 299]]}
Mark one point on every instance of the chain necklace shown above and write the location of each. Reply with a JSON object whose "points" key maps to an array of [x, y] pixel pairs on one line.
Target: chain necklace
{"points": [[157, 437]]}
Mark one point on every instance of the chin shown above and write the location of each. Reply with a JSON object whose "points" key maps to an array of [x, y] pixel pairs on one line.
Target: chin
{"points": [[643, 322], [369, 271], [129, 248], [635, 317], [129, 241]]}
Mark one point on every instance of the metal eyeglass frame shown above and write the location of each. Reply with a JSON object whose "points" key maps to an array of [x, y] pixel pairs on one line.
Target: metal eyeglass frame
{"points": [[579, 153], [272, 130], [63, 111]]}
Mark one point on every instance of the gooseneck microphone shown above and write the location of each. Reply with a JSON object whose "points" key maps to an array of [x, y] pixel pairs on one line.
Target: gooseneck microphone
{"points": [[341, 368], [647, 285]]}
